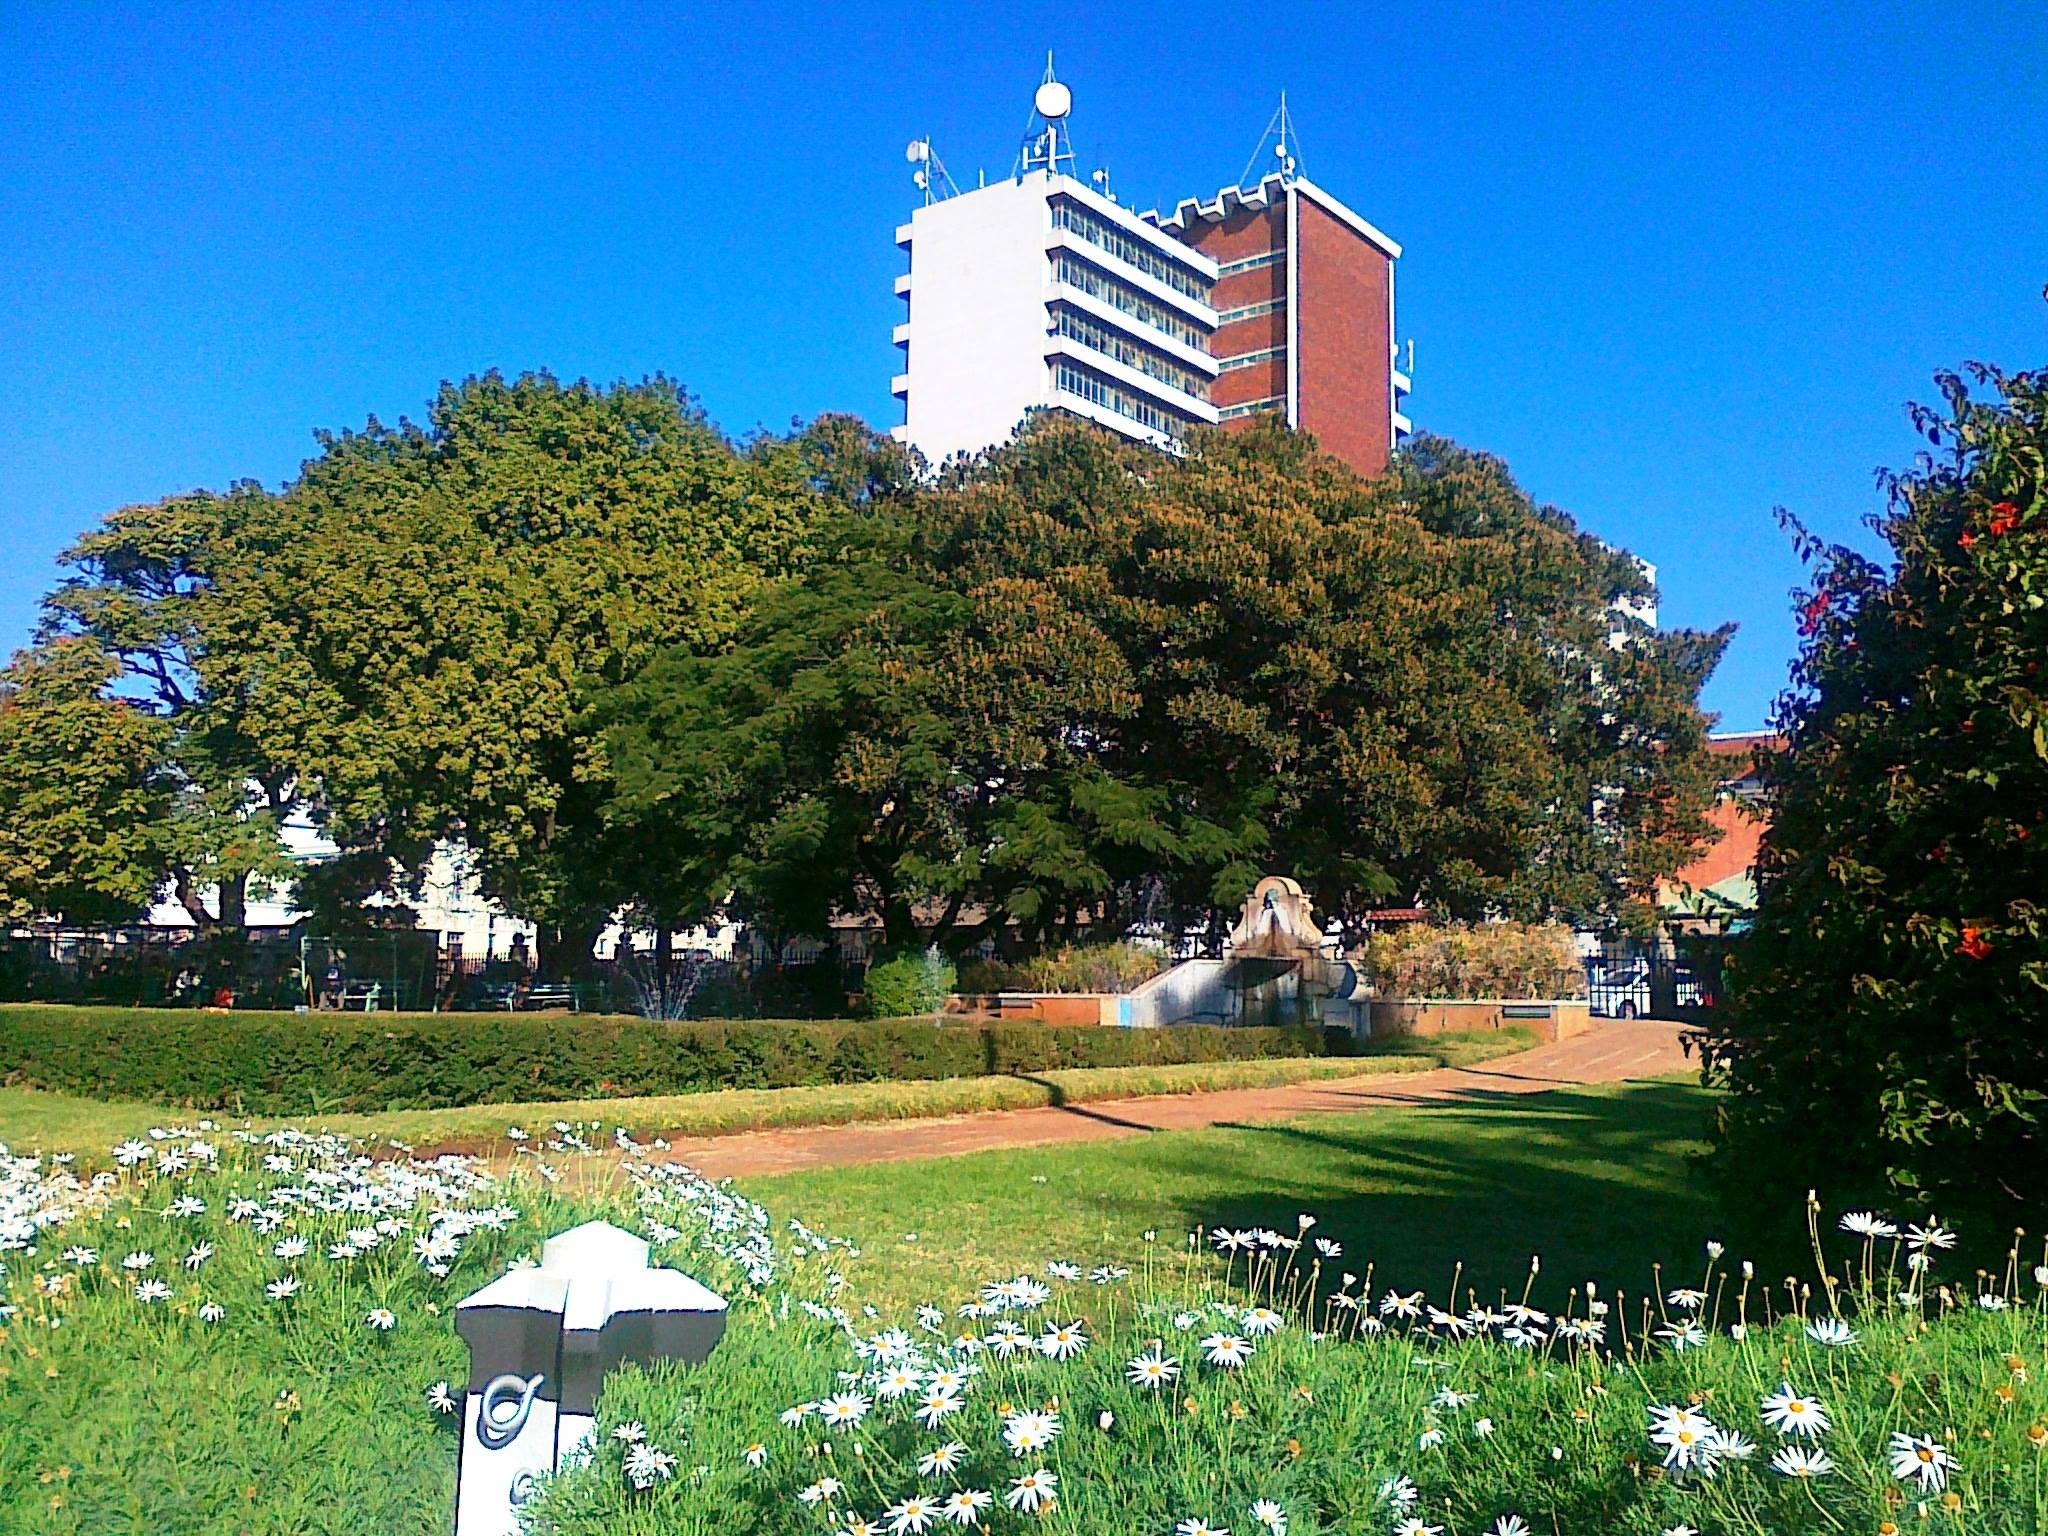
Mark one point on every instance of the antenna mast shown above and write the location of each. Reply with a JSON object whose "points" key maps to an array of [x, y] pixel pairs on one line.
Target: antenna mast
{"points": [[1047, 143], [930, 177], [1286, 148]]}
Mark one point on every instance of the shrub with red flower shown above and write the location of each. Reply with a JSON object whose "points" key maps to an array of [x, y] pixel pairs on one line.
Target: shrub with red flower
{"points": [[1874, 1041]]}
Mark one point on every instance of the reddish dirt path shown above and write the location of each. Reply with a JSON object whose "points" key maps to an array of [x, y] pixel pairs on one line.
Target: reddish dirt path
{"points": [[1612, 1051]]}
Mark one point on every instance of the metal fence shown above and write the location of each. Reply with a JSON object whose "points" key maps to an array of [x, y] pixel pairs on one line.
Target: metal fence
{"points": [[381, 972]]}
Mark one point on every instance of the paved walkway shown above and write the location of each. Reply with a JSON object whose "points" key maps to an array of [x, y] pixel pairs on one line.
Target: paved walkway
{"points": [[1614, 1050]]}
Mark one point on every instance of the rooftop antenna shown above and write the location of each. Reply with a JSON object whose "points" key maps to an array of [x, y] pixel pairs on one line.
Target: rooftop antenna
{"points": [[1100, 176], [1047, 142], [930, 176], [1286, 148]]}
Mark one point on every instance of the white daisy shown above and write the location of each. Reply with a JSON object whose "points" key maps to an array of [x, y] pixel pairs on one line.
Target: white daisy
{"points": [[1831, 1331], [1032, 1491], [1025, 1433], [942, 1460], [1794, 1413], [1152, 1369], [1802, 1461], [911, 1516], [1063, 1343], [380, 1318], [1226, 1350], [843, 1409], [1920, 1459], [963, 1506]]}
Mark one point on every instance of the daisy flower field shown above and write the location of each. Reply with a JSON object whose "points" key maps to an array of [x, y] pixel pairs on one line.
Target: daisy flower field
{"points": [[285, 1360]]}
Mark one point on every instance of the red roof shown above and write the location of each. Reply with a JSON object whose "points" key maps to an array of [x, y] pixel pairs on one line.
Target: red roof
{"points": [[1746, 744]]}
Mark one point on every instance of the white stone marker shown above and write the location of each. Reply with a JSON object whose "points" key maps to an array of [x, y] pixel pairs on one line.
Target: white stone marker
{"points": [[540, 1342]]}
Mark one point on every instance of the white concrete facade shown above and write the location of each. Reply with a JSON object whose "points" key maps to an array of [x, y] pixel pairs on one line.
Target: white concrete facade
{"points": [[1013, 308]]}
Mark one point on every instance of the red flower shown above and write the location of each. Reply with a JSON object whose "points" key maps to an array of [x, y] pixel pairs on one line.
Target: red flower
{"points": [[2004, 517], [1968, 540], [1973, 946], [1815, 610]]}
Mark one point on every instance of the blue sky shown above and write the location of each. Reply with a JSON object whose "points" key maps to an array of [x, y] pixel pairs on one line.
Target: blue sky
{"points": [[1676, 268]]}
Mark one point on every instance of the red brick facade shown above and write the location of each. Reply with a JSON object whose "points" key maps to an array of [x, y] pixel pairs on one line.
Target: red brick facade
{"points": [[1340, 321], [1343, 315]]}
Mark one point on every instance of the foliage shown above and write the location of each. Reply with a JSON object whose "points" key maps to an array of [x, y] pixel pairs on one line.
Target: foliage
{"points": [[1116, 967], [288, 1064], [396, 643], [301, 1412], [1490, 960], [908, 986], [82, 804], [154, 597], [293, 1412], [1885, 1022], [1074, 682]]}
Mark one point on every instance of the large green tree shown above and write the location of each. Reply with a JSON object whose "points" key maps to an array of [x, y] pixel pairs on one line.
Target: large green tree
{"points": [[1885, 1035], [85, 811], [156, 596], [1076, 679], [395, 643]]}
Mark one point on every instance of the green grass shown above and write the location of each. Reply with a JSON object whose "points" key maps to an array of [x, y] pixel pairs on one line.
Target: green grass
{"points": [[1601, 1181], [295, 1417], [38, 1120]]}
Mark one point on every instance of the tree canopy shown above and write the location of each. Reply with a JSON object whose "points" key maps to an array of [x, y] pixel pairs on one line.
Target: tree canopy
{"points": [[1885, 1032], [1076, 679], [632, 666], [394, 645], [84, 810]]}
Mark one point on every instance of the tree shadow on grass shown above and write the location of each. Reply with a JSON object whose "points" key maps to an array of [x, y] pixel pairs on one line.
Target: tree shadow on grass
{"points": [[1601, 1185]]}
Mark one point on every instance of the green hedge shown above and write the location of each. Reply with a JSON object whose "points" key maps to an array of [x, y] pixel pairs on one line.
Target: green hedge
{"points": [[289, 1064]]}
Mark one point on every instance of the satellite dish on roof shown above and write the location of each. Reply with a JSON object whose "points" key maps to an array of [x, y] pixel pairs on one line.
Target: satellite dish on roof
{"points": [[917, 150], [1053, 101]]}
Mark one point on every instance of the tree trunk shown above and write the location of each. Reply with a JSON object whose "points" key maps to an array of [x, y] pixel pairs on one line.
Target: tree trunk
{"points": [[234, 902]]}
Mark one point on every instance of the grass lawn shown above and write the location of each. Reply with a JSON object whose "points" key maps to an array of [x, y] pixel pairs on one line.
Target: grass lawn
{"points": [[302, 1413], [37, 1120], [1600, 1181]]}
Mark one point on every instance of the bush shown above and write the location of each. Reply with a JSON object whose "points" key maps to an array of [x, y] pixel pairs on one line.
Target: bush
{"points": [[908, 986], [1118, 967], [1489, 960], [286, 1064], [1884, 1029]]}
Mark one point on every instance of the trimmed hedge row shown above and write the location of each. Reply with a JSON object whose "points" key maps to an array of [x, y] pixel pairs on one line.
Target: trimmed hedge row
{"points": [[288, 1064]]}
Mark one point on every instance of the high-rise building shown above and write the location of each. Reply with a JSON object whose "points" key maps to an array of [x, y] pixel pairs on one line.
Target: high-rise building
{"points": [[1043, 291], [1304, 299]]}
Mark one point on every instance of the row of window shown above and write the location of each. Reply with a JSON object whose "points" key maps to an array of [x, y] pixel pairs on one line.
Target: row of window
{"points": [[1091, 332], [1093, 281], [1251, 263], [1250, 311], [1085, 384], [1249, 359], [1251, 407], [1125, 247]]}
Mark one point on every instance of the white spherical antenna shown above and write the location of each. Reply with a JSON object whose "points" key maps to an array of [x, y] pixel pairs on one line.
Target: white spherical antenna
{"points": [[917, 150], [920, 180], [1053, 101]]}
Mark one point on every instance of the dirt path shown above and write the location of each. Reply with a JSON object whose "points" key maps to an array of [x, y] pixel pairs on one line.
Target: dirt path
{"points": [[1612, 1051]]}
